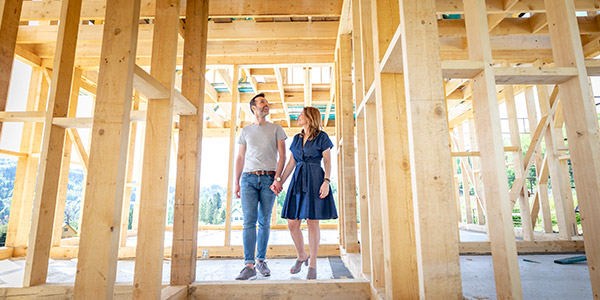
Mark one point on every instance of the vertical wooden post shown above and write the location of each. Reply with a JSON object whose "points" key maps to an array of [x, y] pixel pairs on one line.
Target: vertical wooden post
{"points": [[100, 231], [399, 246], [129, 173], [491, 148], [431, 171], [307, 87], [365, 240], [40, 237], [10, 12], [515, 140], [476, 175], [542, 184], [235, 101], [66, 164], [187, 189], [374, 197], [455, 185], [338, 135], [347, 126], [366, 34], [465, 177], [155, 173], [22, 174], [563, 201], [582, 128]]}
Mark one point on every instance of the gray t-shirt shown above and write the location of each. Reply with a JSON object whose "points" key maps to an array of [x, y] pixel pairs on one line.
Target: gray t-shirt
{"points": [[261, 146]]}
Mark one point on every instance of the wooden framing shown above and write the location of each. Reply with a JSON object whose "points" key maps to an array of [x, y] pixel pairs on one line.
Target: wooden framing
{"points": [[100, 232], [493, 170], [399, 245], [155, 170], [515, 140], [40, 237], [187, 188], [430, 166], [347, 152], [10, 12], [407, 79], [235, 99], [61, 197], [477, 177], [582, 127]]}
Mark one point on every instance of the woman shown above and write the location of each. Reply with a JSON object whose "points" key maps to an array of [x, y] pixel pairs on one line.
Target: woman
{"points": [[308, 196]]}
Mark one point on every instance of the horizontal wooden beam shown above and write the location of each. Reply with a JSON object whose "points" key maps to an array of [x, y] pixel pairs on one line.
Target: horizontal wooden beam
{"points": [[533, 75], [249, 60], [22, 116], [525, 247], [477, 153], [69, 252], [215, 48], [465, 248], [171, 292], [94, 9], [348, 289], [235, 31], [153, 89], [13, 153]]}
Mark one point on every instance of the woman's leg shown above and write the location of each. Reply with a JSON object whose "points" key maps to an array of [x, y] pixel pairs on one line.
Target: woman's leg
{"points": [[296, 233], [314, 238]]}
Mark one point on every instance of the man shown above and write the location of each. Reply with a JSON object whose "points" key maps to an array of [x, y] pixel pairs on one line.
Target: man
{"points": [[259, 145]]}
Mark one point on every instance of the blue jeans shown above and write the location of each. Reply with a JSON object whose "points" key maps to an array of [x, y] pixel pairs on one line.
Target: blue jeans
{"points": [[257, 204]]}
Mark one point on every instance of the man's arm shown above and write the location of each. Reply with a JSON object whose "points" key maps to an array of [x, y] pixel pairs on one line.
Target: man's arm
{"points": [[239, 167], [280, 165]]}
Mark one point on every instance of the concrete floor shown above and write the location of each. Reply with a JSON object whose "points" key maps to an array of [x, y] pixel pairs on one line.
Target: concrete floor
{"points": [[541, 280]]}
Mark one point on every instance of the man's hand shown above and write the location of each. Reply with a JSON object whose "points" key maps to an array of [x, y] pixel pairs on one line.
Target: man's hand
{"points": [[276, 187], [236, 190]]}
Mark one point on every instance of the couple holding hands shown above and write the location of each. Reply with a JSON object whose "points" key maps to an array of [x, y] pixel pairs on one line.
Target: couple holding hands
{"points": [[260, 175]]}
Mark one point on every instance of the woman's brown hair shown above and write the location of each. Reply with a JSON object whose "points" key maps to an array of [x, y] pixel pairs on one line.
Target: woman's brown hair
{"points": [[312, 115]]}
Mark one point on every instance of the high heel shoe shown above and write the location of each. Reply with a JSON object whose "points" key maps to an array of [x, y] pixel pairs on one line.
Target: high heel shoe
{"points": [[298, 265], [312, 273]]}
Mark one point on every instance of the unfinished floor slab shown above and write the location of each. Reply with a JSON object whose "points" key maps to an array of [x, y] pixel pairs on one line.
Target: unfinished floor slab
{"points": [[540, 276]]}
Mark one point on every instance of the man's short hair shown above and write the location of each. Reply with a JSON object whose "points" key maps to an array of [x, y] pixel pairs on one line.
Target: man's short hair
{"points": [[253, 101]]}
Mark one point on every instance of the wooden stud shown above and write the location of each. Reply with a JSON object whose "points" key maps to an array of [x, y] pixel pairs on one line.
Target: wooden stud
{"points": [[366, 28], [493, 170], [307, 87], [10, 12], [155, 171], [465, 177], [374, 197], [40, 237], [563, 201], [582, 128], [541, 198], [365, 240], [232, 133], [23, 173], [100, 229], [187, 188], [347, 131], [477, 178], [129, 173], [515, 140], [65, 165], [399, 246], [435, 232]]}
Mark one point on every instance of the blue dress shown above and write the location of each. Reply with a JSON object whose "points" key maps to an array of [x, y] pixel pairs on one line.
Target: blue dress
{"points": [[302, 200]]}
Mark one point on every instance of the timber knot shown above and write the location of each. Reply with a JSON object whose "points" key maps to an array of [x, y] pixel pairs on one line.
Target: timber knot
{"points": [[117, 31]]}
